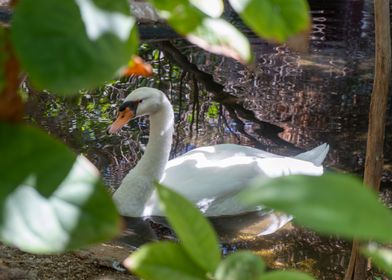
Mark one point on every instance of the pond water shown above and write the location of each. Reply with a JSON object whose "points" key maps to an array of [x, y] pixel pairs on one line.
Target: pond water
{"points": [[287, 102]]}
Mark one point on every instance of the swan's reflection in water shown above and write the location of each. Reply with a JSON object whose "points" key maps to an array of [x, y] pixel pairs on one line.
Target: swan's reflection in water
{"points": [[253, 224], [138, 231]]}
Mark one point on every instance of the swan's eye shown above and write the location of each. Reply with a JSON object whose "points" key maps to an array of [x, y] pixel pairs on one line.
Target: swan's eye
{"points": [[140, 101]]}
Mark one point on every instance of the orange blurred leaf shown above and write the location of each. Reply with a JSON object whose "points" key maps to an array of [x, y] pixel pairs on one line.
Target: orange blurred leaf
{"points": [[138, 67]]}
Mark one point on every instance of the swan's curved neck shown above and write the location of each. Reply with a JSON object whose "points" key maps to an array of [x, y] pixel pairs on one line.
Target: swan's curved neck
{"points": [[157, 152], [138, 185]]}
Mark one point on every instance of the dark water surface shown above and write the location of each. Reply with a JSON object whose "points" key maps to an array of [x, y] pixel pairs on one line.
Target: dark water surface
{"points": [[319, 97]]}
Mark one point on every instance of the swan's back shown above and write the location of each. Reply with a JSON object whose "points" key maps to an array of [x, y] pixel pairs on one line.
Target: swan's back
{"points": [[212, 176]]}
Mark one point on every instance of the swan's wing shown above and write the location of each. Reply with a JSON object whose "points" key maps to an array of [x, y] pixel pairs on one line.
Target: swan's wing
{"points": [[211, 180], [223, 151], [316, 155], [204, 185]]}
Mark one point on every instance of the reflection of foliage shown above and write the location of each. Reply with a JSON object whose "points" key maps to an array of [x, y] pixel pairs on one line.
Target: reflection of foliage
{"points": [[232, 104], [213, 110]]}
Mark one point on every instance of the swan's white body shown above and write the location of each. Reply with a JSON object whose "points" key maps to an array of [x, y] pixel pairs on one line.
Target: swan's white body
{"points": [[211, 177]]}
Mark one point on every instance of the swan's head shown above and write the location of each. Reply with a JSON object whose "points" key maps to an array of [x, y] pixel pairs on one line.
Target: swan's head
{"points": [[140, 102]]}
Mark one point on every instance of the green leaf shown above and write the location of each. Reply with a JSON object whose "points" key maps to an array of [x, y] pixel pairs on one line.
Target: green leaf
{"points": [[194, 231], [274, 20], [241, 265], [50, 200], [213, 34], [381, 257], [69, 45], [163, 260], [286, 275], [333, 204]]}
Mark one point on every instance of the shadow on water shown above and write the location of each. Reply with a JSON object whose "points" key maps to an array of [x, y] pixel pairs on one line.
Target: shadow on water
{"points": [[287, 103]]}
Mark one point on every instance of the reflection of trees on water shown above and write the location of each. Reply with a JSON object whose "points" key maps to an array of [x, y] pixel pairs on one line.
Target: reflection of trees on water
{"points": [[232, 104]]}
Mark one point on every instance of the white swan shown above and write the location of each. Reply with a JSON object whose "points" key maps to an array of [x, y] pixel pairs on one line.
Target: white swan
{"points": [[210, 177]]}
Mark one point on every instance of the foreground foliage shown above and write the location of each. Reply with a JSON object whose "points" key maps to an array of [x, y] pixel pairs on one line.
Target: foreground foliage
{"points": [[49, 197], [52, 201], [197, 255], [330, 204]]}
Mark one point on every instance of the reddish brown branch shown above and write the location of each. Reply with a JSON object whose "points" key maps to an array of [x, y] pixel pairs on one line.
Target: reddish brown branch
{"points": [[11, 104]]}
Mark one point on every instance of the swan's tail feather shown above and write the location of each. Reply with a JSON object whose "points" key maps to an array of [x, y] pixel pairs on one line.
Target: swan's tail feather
{"points": [[316, 155]]}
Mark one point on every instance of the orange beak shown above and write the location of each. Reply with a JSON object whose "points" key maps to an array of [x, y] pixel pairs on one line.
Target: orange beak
{"points": [[123, 118]]}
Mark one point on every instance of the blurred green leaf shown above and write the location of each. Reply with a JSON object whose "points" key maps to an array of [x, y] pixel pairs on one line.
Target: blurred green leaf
{"points": [[50, 200], [195, 232], [332, 203], [163, 260], [381, 257], [286, 275], [274, 20], [213, 34], [74, 44], [241, 265]]}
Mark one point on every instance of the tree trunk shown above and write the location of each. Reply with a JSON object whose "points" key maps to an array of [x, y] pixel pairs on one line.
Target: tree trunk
{"points": [[376, 130]]}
